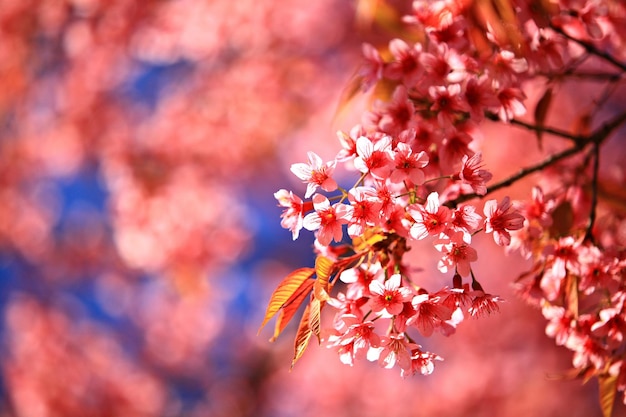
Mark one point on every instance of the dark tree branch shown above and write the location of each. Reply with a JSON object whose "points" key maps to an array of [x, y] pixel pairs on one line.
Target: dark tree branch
{"points": [[521, 174], [596, 138], [542, 129], [594, 193], [590, 48]]}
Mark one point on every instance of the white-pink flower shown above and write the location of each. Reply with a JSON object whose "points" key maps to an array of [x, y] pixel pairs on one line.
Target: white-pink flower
{"points": [[366, 209], [327, 219], [472, 173], [293, 214], [316, 174], [408, 165], [430, 219], [389, 298], [457, 253], [374, 158], [501, 219]]}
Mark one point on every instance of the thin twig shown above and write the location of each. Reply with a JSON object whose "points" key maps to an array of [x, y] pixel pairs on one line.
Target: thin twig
{"points": [[590, 48], [596, 138], [542, 129], [594, 193], [585, 75], [521, 174]]}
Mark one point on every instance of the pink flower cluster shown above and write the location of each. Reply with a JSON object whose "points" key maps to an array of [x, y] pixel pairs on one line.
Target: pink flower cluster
{"points": [[579, 287], [414, 157], [420, 171]]}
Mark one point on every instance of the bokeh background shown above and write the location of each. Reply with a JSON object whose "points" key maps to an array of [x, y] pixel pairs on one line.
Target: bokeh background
{"points": [[141, 143]]}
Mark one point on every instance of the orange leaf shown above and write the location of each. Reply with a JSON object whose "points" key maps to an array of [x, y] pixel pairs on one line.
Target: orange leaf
{"points": [[352, 89], [285, 291], [349, 262], [571, 294], [541, 111], [323, 270], [370, 237], [563, 219], [291, 306], [608, 388], [314, 316], [302, 337]]}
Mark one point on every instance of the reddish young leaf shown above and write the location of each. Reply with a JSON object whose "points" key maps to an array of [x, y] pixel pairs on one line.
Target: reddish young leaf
{"points": [[302, 337], [571, 294], [323, 270], [291, 306], [285, 290], [563, 220], [353, 87], [608, 389], [349, 262], [541, 111], [370, 237], [314, 316]]}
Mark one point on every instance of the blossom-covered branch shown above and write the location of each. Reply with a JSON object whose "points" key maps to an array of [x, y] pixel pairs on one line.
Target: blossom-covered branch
{"points": [[422, 177]]}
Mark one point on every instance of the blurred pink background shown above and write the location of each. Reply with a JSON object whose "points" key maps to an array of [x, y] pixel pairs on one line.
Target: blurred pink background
{"points": [[141, 145]]}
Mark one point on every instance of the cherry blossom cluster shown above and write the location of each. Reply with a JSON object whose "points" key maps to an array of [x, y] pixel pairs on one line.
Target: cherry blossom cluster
{"points": [[386, 201], [413, 157], [419, 172], [578, 284]]}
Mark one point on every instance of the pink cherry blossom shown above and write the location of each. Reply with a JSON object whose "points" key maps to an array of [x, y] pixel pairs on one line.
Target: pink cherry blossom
{"points": [[374, 158], [506, 66], [396, 351], [327, 219], [388, 299], [465, 219], [472, 173], [539, 207], [563, 256], [430, 313], [372, 69], [406, 64], [361, 277], [430, 219], [511, 103], [348, 143], [366, 209], [316, 174], [421, 362], [454, 146], [560, 324], [457, 253], [293, 214], [447, 103], [442, 65], [396, 115], [359, 337], [501, 219], [408, 165], [484, 304], [480, 96]]}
